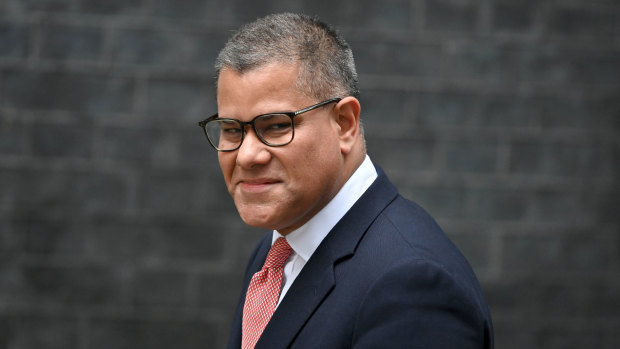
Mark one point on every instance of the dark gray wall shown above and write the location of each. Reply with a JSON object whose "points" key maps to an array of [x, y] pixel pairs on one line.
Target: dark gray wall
{"points": [[501, 117]]}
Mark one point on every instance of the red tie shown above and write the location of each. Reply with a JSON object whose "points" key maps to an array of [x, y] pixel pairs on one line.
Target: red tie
{"points": [[263, 293]]}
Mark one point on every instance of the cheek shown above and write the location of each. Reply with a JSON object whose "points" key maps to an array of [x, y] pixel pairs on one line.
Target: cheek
{"points": [[317, 164]]}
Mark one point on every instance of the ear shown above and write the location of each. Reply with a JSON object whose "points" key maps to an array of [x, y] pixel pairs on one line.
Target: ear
{"points": [[348, 119]]}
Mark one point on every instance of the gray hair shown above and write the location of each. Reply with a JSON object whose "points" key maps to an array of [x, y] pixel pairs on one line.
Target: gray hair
{"points": [[327, 68]]}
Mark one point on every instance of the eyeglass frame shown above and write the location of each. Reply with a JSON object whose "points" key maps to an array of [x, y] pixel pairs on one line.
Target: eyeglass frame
{"points": [[290, 114]]}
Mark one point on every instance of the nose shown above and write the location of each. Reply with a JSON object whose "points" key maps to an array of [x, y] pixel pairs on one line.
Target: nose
{"points": [[252, 151]]}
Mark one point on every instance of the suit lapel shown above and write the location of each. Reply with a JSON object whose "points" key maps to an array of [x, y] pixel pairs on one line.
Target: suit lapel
{"points": [[316, 279]]}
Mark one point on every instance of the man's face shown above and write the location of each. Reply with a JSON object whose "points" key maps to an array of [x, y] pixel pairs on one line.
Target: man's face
{"points": [[279, 187]]}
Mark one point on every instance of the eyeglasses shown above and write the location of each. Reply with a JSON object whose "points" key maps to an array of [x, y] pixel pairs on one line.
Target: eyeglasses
{"points": [[273, 129]]}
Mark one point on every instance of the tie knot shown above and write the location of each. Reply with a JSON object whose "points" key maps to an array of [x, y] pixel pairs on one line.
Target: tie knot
{"points": [[278, 254]]}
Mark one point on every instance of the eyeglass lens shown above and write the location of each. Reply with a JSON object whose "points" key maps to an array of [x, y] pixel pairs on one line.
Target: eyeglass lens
{"points": [[272, 129]]}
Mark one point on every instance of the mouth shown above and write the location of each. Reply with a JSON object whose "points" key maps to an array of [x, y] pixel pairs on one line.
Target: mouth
{"points": [[257, 185]]}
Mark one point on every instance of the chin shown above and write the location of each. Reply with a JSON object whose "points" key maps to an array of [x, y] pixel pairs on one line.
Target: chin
{"points": [[257, 220]]}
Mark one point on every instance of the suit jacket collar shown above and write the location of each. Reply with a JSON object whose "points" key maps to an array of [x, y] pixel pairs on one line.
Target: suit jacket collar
{"points": [[316, 280]]}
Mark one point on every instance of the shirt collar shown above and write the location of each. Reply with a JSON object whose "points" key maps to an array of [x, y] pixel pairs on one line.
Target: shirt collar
{"points": [[305, 239]]}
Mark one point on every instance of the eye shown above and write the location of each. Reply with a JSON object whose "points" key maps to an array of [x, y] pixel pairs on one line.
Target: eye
{"points": [[230, 127], [278, 126], [230, 130], [274, 124]]}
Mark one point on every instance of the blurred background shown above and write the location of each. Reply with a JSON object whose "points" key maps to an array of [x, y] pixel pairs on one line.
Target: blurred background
{"points": [[500, 117]]}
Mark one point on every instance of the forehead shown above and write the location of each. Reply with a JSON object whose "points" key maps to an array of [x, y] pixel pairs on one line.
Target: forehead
{"points": [[269, 79], [269, 88]]}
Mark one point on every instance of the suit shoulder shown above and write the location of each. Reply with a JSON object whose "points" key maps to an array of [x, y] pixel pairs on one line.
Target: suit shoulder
{"points": [[407, 232]]}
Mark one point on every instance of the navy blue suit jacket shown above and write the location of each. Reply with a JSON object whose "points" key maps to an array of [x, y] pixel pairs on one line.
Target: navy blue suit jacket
{"points": [[386, 276]]}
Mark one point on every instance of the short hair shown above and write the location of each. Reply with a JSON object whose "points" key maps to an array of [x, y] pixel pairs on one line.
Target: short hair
{"points": [[327, 68]]}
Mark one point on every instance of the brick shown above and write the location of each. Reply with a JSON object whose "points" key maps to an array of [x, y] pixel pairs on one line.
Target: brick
{"points": [[482, 62], [13, 138], [526, 157], [199, 242], [13, 40], [67, 91], [179, 49], [560, 112], [45, 188], [537, 111], [123, 240], [512, 334], [588, 298], [446, 109], [607, 205], [442, 202], [159, 241], [66, 140], [156, 333], [451, 15], [194, 149], [384, 111], [555, 66], [165, 149], [512, 297], [601, 300], [387, 113], [387, 14], [572, 251], [240, 11], [8, 180], [507, 111], [471, 156], [559, 159], [575, 21], [514, 16], [404, 154], [180, 100], [187, 148], [552, 205], [56, 189], [603, 110], [72, 43], [381, 58], [38, 331], [77, 285], [499, 204], [42, 5], [98, 191], [476, 249], [126, 143], [60, 236], [212, 192], [551, 297], [111, 7], [558, 336], [7, 236], [185, 9], [614, 151], [329, 11], [220, 291], [158, 288], [595, 67], [545, 65], [170, 192]]}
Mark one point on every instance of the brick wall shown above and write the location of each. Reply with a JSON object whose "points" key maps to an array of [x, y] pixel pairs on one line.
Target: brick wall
{"points": [[501, 117]]}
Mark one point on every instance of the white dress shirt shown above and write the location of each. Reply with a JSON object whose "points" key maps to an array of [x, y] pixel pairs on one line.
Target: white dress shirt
{"points": [[305, 239]]}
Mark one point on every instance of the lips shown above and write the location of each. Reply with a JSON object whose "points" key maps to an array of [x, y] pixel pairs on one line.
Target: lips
{"points": [[255, 185]]}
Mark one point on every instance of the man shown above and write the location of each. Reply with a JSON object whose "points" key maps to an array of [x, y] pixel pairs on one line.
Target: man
{"points": [[353, 264]]}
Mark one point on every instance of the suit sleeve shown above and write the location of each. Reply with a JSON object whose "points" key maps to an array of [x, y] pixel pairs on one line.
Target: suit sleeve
{"points": [[417, 304]]}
